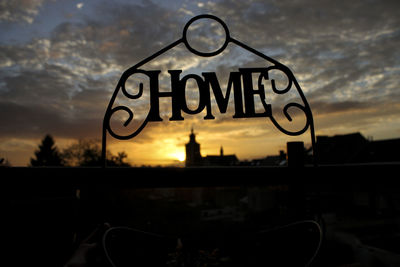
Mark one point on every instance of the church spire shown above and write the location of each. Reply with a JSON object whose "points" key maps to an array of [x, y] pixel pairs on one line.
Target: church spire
{"points": [[193, 156], [192, 136]]}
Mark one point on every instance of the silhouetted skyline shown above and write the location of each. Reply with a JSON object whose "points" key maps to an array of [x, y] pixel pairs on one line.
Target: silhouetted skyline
{"points": [[351, 148], [194, 157]]}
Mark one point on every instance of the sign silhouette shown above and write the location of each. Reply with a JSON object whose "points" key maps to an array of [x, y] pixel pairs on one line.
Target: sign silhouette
{"points": [[240, 84]]}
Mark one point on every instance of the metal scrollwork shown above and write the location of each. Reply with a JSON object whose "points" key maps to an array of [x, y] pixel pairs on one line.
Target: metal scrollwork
{"points": [[240, 82]]}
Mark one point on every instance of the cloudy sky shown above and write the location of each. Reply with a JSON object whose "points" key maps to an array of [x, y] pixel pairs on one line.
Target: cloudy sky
{"points": [[60, 62]]}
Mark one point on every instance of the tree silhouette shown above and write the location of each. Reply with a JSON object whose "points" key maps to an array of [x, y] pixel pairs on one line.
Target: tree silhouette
{"points": [[118, 160], [47, 154], [4, 162], [88, 153]]}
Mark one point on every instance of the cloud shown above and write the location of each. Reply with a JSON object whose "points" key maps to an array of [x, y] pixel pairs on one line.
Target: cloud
{"points": [[20, 10], [344, 54], [33, 121], [126, 33], [62, 84], [32, 55], [52, 100], [339, 50]]}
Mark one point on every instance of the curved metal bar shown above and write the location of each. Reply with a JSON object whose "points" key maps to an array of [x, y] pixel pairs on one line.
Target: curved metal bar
{"points": [[128, 95], [277, 65], [288, 75], [121, 85], [292, 80], [265, 75], [206, 54], [287, 115], [126, 123]]}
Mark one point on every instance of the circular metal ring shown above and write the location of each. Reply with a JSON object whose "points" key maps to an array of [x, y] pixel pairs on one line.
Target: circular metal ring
{"points": [[206, 54]]}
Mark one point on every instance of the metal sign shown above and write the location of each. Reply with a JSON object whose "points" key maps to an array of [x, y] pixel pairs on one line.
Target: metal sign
{"points": [[240, 84]]}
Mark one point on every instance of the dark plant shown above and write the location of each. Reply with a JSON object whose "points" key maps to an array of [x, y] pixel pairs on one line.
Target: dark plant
{"points": [[47, 154], [87, 153]]}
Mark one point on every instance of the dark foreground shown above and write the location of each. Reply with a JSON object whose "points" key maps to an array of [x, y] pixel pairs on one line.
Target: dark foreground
{"points": [[325, 216]]}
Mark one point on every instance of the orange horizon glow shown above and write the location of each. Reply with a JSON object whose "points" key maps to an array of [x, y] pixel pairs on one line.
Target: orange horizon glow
{"points": [[164, 144]]}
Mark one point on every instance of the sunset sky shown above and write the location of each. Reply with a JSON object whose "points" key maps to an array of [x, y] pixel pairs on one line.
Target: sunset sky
{"points": [[60, 62]]}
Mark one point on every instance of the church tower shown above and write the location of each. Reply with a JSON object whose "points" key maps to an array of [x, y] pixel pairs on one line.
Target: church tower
{"points": [[193, 156]]}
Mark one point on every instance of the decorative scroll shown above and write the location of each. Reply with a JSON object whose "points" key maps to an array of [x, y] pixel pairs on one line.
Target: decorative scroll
{"points": [[240, 85]]}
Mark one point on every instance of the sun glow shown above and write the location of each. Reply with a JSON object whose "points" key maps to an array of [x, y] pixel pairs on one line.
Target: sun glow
{"points": [[179, 155], [171, 150]]}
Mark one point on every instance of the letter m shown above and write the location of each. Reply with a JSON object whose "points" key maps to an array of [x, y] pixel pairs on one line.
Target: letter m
{"points": [[211, 79]]}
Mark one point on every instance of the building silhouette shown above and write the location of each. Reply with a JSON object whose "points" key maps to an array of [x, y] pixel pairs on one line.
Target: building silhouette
{"points": [[220, 160], [355, 148], [352, 148], [271, 160], [194, 158]]}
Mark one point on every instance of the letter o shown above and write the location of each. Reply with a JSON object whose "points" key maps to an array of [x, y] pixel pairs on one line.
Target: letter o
{"points": [[202, 90]]}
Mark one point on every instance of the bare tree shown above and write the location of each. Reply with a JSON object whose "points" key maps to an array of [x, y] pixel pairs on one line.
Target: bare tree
{"points": [[88, 153]]}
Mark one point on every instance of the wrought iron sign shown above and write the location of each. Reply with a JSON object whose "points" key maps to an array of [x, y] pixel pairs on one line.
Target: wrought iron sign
{"points": [[240, 84]]}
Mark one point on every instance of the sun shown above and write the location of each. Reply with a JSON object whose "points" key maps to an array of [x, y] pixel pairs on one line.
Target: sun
{"points": [[178, 155], [181, 157]]}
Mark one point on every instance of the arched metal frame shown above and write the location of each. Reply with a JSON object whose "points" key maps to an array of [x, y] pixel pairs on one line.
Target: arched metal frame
{"points": [[277, 65]]}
